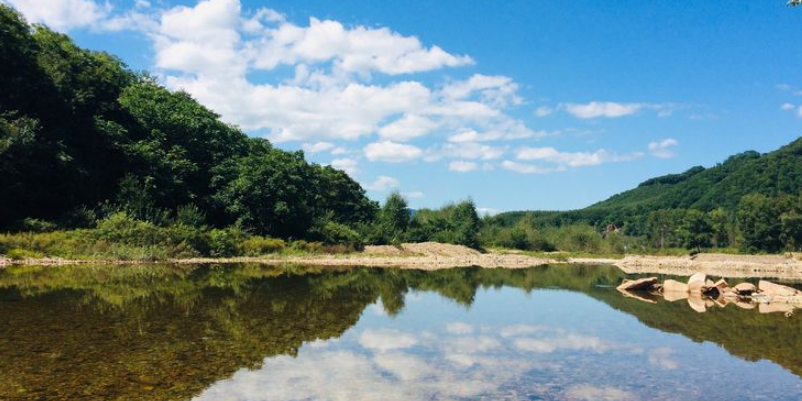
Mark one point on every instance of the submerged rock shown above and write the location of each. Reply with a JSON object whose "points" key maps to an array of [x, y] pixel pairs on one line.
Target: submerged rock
{"points": [[643, 284]]}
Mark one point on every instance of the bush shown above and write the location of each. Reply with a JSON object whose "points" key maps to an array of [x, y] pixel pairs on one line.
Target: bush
{"points": [[19, 254], [226, 242], [256, 245], [304, 246]]}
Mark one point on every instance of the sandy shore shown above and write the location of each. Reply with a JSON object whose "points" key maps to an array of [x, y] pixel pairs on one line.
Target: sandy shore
{"points": [[435, 256]]}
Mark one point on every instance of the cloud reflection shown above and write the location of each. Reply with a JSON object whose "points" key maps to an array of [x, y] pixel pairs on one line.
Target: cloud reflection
{"points": [[447, 364]]}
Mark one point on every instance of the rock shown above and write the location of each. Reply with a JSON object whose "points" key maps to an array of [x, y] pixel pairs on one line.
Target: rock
{"points": [[745, 305], [745, 289], [643, 284], [709, 283], [722, 302], [675, 286], [696, 283], [672, 296], [697, 303], [775, 307], [769, 288], [722, 286]]}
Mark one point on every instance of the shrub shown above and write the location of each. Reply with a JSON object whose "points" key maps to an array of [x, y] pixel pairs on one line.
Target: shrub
{"points": [[256, 245], [19, 254], [226, 242]]}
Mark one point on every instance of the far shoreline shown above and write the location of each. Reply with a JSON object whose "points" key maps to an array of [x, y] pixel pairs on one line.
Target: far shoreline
{"points": [[435, 256]]}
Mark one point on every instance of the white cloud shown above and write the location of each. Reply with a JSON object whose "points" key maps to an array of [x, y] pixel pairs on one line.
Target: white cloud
{"points": [[567, 342], [346, 164], [663, 149], [468, 150], [317, 147], [524, 168], [383, 183], [602, 109], [508, 130], [519, 329], [62, 15], [487, 211], [571, 159], [391, 152], [787, 106], [407, 127], [211, 49], [543, 111], [587, 392], [462, 166], [799, 112], [386, 340], [661, 357], [459, 328]]}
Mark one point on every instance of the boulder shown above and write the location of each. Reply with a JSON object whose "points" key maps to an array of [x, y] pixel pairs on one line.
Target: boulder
{"points": [[722, 286], [675, 295], [771, 289], [643, 284], [745, 305], [745, 289], [696, 283]]}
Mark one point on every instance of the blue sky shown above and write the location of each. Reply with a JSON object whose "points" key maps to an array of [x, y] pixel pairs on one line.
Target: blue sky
{"points": [[516, 104]]}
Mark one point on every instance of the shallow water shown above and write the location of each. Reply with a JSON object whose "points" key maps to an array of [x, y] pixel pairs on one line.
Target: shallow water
{"points": [[264, 333]]}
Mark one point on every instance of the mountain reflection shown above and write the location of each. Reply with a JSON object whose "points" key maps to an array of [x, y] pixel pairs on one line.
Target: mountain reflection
{"points": [[178, 332]]}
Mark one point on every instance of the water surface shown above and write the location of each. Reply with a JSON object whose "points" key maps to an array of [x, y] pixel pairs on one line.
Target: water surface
{"points": [[300, 333]]}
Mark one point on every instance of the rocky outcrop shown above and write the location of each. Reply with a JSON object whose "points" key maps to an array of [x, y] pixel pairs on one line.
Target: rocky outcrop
{"points": [[702, 293]]}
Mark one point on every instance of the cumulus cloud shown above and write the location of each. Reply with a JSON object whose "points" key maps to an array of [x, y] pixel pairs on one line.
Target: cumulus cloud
{"points": [[347, 165], [568, 342], [62, 15], [587, 392], [462, 166], [571, 159], [383, 183], [525, 168], [317, 147], [602, 109], [459, 328], [543, 111], [663, 149], [468, 150], [787, 106], [407, 127], [386, 340], [391, 152], [597, 109]]}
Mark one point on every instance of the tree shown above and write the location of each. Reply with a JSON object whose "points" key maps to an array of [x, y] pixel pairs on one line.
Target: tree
{"points": [[696, 230], [721, 228], [759, 223], [393, 220]]}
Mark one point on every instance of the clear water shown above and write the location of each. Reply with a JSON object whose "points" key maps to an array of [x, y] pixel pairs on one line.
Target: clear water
{"points": [[255, 333]]}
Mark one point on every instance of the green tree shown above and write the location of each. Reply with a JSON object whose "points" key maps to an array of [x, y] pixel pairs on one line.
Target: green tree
{"points": [[393, 220], [696, 230], [759, 223]]}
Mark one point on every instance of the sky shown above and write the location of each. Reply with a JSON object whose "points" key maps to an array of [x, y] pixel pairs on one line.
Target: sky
{"points": [[520, 104]]}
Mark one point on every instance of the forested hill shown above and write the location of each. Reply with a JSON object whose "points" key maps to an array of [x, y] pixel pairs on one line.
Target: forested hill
{"points": [[719, 187], [83, 137]]}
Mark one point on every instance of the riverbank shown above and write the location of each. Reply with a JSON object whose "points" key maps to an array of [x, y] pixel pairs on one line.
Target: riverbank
{"points": [[436, 256]]}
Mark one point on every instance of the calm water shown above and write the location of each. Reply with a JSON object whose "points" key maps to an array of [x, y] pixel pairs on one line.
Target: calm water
{"points": [[254, 333]]}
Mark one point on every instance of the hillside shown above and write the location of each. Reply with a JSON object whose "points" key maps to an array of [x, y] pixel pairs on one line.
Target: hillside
{"points": [[721, 186]]}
